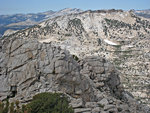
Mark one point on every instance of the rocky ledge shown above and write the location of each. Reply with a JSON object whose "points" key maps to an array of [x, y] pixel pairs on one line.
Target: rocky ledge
{"points": [[92, 84]]}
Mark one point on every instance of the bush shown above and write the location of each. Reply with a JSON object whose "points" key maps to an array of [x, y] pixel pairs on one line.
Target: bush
{"points": [[49, 103], [41, 103], [68, 34], [75, 57], [5, 108]]}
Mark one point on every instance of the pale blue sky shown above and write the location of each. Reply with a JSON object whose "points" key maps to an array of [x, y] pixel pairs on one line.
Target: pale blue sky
{"points": [[34, 6]]}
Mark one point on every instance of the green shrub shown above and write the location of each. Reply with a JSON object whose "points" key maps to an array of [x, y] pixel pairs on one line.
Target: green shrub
{"points": [[41, 103], [1, 107], [101, 105], [12, 108], [68, 34], [5, 107], [75, 57], [49, 103]]}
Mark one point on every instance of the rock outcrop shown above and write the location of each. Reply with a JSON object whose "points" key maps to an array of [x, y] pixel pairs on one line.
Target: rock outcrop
{"points": [[92, 84]]}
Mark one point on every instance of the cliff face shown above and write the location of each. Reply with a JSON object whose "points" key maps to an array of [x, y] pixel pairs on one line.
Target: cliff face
{"points": [[92, 84], [35, 67]]}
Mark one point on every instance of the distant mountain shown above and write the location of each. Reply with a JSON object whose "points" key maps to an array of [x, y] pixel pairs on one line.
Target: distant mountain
{"points": [[143, 13], [21, 21]]}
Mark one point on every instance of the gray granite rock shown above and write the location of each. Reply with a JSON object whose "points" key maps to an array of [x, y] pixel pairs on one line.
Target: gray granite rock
{"points": [[82, 110], [104, 102], [77, 103]]}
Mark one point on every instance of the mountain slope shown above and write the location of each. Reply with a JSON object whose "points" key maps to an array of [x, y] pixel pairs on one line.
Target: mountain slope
{"points": [[21, 21], [122, 37]]}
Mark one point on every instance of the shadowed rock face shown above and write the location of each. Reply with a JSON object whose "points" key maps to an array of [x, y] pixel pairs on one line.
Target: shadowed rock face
{"points": [[28, 67]]}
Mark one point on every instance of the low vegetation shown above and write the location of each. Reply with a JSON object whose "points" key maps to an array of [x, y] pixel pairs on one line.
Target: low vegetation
{"points": [[75, 57], [41, 103]]}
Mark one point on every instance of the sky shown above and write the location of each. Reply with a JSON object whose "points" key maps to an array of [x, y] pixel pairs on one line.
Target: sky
{"points": [[35, 6]]}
